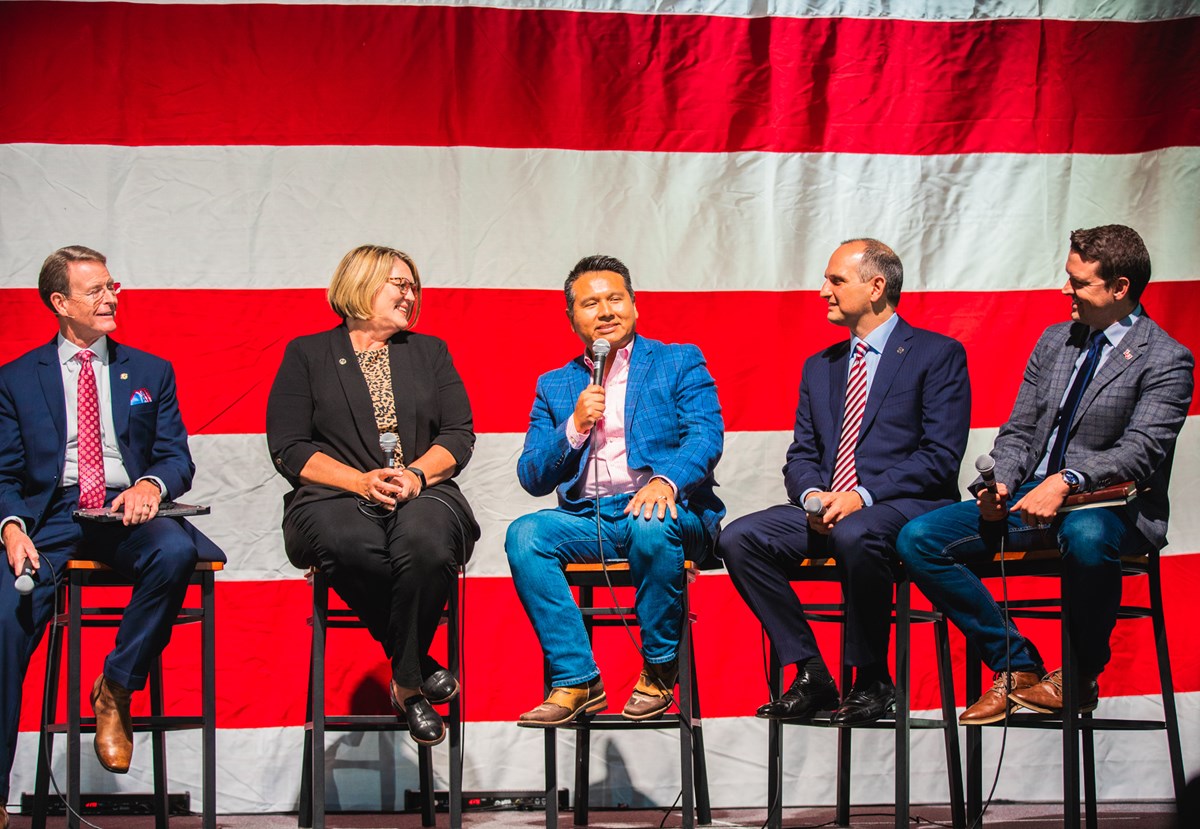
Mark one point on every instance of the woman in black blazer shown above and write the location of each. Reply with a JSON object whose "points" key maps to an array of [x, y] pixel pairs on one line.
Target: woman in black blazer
{"points": [[389, 529]]}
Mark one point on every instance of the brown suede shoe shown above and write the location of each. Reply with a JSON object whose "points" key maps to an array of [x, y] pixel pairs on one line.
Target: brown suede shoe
{"points": [[1046, 696], [654, 691], [565, 703], [114, 730], [995, 704]]}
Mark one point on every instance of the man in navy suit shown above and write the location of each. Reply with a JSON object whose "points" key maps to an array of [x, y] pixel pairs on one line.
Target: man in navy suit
{"points": [[880, 432], [631, 459], [87, 422]]}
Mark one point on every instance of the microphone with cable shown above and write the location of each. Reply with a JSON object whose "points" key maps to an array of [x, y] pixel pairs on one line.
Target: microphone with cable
{"points": [[387, 442], [600, 349], [991, 529], [814, 507], [25, 581], [985, 465]]}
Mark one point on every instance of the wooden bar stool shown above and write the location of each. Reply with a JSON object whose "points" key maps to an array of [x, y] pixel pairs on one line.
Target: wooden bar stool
{"points": [[81, 574], [312, 785], [1075, 725], [825, 570], [693, 772]]}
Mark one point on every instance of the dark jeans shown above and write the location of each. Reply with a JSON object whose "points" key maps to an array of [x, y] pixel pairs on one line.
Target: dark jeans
{"points": [[394, 572], [938, 547]]}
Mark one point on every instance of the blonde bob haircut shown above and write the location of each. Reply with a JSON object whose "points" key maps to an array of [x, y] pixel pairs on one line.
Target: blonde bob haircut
{"points": [[361, 274]]}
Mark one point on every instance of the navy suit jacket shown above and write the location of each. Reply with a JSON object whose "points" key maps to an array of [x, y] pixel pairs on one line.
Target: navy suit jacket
{"points": [[914, 429], [33, 434], [673, 427]]}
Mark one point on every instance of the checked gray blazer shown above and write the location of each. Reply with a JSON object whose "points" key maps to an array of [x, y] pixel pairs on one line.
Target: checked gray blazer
{"points": [[1126, 424]]}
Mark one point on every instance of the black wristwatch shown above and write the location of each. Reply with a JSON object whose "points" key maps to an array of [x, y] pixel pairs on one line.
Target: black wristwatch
{"points": [[1072, 480], [420, 476]]}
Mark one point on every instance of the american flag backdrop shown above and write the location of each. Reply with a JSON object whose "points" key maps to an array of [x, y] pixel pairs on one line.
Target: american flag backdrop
{"points": [[226, 156]]}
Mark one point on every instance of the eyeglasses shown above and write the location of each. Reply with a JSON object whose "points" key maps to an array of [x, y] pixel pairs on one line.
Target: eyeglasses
{"points": [[403, 283], [96, 295]]}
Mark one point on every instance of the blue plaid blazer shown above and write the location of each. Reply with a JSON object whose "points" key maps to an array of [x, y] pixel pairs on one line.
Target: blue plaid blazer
{"points": [[673, 427]]}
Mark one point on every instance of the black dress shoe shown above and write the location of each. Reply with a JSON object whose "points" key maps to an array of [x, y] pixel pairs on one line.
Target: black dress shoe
{"points": [[425, 725], [804, 697], [440, 687], [866, 704]]}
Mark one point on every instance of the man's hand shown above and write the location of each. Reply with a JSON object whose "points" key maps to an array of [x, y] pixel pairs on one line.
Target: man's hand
{"points": [[140, 503], [993, 507], [656, 493], [19, 548], [589, 408], [1040, 504], [379, 486], [837, 506]]}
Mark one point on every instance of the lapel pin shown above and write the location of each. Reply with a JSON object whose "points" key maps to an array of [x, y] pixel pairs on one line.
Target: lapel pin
{"points": [[341, 361], [1128, 354], [899, 349], [125, 376]]}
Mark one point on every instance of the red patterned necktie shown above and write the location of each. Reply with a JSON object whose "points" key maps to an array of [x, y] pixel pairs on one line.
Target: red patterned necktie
{"points": [[91, 453], [845, 475]]}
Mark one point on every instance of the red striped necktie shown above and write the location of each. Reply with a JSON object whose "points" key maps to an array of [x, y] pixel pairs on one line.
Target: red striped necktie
{"points": [[845, 475], [90, 450]]}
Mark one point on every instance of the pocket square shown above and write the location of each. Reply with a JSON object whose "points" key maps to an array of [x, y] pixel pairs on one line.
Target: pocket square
{"points": [[142, 395]]}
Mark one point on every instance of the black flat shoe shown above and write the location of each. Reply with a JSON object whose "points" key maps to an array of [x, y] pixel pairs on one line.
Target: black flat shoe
{"points": [[425, 725], [868, 704], [440, 687], [804, 697]]}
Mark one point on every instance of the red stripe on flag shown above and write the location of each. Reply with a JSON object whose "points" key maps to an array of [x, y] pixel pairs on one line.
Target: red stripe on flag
{"points": [[227, 344], [261, 684], [135, 74]]}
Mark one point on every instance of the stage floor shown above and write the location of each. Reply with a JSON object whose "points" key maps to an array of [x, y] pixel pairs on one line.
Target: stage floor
{"points": [[999, 816]]}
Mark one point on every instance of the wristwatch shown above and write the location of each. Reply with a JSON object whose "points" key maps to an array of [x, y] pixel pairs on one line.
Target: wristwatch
{"points": [[1071, 478], [420, 476]]}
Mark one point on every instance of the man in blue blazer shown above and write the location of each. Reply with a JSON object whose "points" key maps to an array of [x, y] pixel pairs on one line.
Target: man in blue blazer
{"points": [[880, 432], [87, 422], [631, 459]]}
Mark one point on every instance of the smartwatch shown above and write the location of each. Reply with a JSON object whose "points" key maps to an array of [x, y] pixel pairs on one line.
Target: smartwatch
{"points": [[1070, 477], [420, 476]]}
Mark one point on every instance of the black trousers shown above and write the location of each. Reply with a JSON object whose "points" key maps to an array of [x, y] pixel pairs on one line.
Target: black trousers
{"points": [[395, 572], [761, 549]]}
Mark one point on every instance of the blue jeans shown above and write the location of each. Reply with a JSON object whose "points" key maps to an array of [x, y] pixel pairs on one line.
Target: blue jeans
{"points": [[540, 544], [937, 547]]}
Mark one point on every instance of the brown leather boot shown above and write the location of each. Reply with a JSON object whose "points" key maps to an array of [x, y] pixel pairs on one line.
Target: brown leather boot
{"points": [[994, 705], [654, 691], [565, 703], [1046, 696], [114, 730]]}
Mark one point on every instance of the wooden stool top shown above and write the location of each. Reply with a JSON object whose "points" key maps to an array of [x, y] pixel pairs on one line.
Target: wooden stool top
{"points": [[86, 564]]}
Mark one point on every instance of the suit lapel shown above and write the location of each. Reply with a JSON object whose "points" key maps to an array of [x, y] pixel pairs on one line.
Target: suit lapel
{"points": [[404, 375], [354, 387], [1120, 357], [890, 361], [641, 359], [51, 380], [119, 390], [839, 374]]}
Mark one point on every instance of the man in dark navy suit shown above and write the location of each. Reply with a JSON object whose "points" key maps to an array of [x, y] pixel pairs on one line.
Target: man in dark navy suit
{"points": [[880, 432], [87, 422]]}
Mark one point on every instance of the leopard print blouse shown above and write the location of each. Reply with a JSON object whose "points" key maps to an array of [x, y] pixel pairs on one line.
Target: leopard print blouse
{"points": [[377, 370]]}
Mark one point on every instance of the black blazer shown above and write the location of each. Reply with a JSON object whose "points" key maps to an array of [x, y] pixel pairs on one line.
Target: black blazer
{"points": [[319, 402]]}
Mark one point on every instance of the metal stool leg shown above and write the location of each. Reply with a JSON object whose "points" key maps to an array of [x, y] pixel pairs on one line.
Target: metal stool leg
{"points": [[317, 701], [49, 717], [775, 749], [958, 809], [208, 680], [699, 766], [158, 742], [903, 734], [1167, 685], [74, 647]]}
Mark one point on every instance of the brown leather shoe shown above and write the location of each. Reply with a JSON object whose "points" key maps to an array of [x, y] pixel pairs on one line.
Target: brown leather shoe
{"points": [[1046, 696], [114, 730], [653, 692], [3, 816], [565, 703], [995, 703]]}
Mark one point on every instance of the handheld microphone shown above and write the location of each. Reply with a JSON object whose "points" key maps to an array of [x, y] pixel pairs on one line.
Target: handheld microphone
{"points": [[814, 507], [387, 442], [985, 465], [25, 581], [600, 349]]}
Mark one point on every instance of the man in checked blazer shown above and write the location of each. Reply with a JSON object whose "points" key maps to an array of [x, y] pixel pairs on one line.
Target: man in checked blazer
{"points": [[631, 460], [881, 427], [1102, 402]]}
